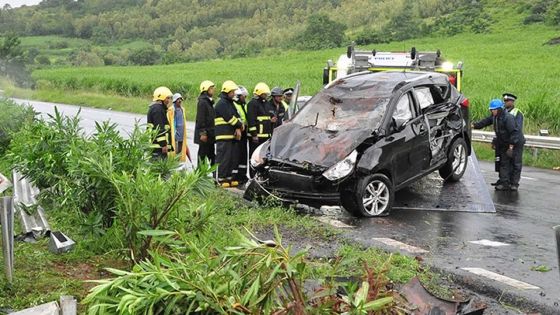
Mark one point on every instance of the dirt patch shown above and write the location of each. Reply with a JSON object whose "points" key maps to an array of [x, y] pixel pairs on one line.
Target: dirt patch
{"points": [[553, 41]]}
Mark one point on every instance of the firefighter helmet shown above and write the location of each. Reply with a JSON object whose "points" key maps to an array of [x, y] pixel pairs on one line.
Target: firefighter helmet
{"points": [[241, 90], [229, 86], [205, 85], [261, 88], [161, 93]]}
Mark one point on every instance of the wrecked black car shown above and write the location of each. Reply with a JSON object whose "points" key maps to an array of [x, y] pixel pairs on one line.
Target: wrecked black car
{"points": [[364, 137]]}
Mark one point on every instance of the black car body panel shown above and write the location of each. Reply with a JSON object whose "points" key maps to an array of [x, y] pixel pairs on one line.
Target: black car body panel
{"points": [[364, 112]]}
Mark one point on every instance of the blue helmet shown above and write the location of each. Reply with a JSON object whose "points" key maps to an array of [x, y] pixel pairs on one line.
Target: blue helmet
{"points": [[496, 104]]}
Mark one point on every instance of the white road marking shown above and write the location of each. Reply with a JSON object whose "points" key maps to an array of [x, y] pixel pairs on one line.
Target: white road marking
{"points": [[489, 243], [529, 178], [335, 223], [503, 279], [400, 245]]}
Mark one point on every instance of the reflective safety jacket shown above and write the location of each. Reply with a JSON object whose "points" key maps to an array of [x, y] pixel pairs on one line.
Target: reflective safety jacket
{"points": [[258, 118], [184, 150], [242, 111], [227, 119], [157, 120]]}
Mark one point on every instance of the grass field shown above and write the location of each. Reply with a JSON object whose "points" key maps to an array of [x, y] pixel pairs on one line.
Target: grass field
{"points": [[511, 58]]}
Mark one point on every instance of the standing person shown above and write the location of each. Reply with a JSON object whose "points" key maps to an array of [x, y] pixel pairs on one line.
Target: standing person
{"points": [[240, 102], [508, 138], [157, 120], [228, 129], [178, 120], [288, 93], [204, 134], [276, 107], [260, 126], [517, 160]]}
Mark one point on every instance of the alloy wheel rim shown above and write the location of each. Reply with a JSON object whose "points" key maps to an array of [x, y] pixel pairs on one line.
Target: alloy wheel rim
{"points": [[376, 197], [459, 159]]}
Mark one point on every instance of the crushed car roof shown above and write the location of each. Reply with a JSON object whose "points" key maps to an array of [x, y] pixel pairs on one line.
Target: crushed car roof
{"points": [[389, 79]]}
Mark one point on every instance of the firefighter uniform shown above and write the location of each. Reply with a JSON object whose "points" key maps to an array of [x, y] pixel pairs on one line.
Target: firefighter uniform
{"points": [[204, 127], [157, 120], [517, 159], [508, 140], [226, 123], [240, 173]]}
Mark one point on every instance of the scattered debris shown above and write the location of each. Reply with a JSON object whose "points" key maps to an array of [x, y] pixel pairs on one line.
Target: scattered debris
{"points": [[68, 306], [4, 183], [60, 243], [541, 268], [424, 303], [34, 225]]}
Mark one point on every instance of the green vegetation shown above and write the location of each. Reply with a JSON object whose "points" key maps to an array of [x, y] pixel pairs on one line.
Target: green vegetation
{"points": [[129, 212]]}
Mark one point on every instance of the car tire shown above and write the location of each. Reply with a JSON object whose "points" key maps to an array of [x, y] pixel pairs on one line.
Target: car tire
{"points": [[369, 196], [456, 163]]}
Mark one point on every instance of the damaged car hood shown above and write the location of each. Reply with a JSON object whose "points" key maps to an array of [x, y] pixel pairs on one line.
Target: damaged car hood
{"points": [[307, 145]]}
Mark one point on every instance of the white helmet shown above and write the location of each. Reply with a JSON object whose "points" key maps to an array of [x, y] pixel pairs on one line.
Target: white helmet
{"points": [[241, 90]]}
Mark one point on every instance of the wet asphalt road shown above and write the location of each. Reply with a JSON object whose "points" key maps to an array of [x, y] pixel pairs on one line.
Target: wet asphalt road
{"points": [[522, 224]]}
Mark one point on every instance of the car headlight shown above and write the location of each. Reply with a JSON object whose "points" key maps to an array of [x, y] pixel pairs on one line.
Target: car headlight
{"points": [[257, 159], [342, 168]]}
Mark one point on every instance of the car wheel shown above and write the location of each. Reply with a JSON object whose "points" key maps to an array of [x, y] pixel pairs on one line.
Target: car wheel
{"points": [[372, 196], [456, 163]]}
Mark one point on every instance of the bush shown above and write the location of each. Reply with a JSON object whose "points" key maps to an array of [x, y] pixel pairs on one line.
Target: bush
{"points": [[43, 60], [253, 277], [321, 32], [13, 118], [144, 56]]}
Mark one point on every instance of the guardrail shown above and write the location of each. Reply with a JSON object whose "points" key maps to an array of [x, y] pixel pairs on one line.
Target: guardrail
{"points": [[540, 142]]}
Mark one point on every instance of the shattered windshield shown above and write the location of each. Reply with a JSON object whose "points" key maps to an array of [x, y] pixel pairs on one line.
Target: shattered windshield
{"points": [[352, 103]]}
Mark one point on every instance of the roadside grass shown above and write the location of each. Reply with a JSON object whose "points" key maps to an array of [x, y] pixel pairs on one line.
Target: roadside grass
{"points": [[42, 277]]}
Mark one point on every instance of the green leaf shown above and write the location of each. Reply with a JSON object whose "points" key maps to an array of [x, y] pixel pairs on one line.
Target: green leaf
{"points": [[378, 304]]}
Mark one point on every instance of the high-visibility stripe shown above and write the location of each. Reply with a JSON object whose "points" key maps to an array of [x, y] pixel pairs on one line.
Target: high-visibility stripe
{"points": [[225, 137], [263, 118], [155, 146], [253, 129], [164, 138], [263, 135], [219, 121], [233, 121]]}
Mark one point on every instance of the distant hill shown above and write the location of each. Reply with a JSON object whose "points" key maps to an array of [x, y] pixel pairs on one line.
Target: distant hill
{"points": [[171, 31]]}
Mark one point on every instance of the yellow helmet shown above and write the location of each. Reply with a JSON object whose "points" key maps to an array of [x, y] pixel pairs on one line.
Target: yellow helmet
{"points": [[161, 93], [205, 85], [229, 86], [261, 88]]}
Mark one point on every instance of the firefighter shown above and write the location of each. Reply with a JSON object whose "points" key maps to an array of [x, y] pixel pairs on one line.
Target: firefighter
{"points": [[228, 129], [276, 107], [157, 120], [259, 121], [517, 160], [240, 101], [178, 120], [508, 137], [204, 134]]}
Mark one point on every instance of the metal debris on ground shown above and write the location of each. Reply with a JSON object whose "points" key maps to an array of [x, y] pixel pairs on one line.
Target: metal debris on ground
{"points": [[60, 243], [7, 228], [68, 306], [4, 183], [34, 225], [424, 303]]}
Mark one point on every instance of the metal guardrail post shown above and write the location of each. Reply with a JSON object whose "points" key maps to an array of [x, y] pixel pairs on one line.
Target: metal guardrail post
{"points": [[7, 222]]}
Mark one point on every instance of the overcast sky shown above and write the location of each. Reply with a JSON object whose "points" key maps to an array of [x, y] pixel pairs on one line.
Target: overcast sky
{"points": [[18, 3]]}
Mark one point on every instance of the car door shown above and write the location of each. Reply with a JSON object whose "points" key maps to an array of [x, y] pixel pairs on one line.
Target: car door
{"points": [[407, 138]]}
